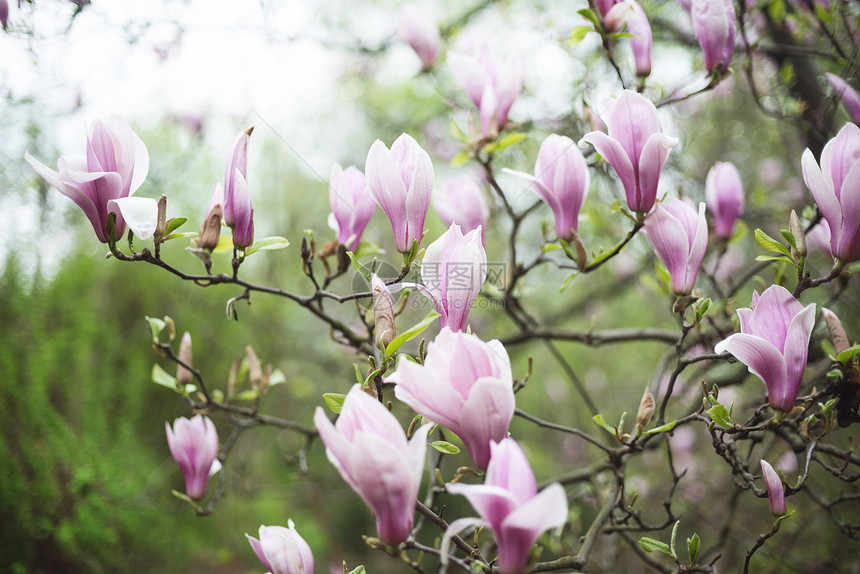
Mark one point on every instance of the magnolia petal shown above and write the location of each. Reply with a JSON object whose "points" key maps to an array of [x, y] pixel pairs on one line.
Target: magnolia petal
{"points": [[437, 402], [775, 491], [485, 417], [669, 239], [453, 528], [795, 353], [613, 152], [139, 213], [493, 503], [847, 245], [654, 154], [761, 358], [697, 249], [822, 192], [337, 448], [387, 189]]}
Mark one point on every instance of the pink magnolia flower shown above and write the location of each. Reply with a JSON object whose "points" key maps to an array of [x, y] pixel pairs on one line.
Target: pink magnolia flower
{"points": [[464, 385], [511, 506], [401, 181], [283, 550], [604, 6], [461, 201], [194, 446], [775, 491], [114, 167], [724, 192], [561, 180], [835, 186], [417, 27], [774, 342], [243, 212], [453, 271], [238, 164], [352, 206], [636, 148], [492, 82], [849, 96], [680, 237], [715, 28], [631, 13], [369, 449]]}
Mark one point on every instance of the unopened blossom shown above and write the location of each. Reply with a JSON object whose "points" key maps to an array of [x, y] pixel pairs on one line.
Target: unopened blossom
{"points": [[383, 311], [238, 164], [835, 186], [510, 505], [849, 96], [417, 27], [183, 375], [461, 201], [493, 82], [400, 180], [631, 13], [635, 147], [465, 385], [194, 446], [453, 271], [775, 491], [283, 550], [679, 235], [243, 212], [369, 448], [352, 206], [715, 28], [774, 342], [561, 180], [838, 336], [114, 167], [724, 192]]}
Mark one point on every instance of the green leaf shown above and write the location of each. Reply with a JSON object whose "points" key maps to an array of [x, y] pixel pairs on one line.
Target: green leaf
{"points": [[783, 517], [247, 395], [334, 401], [267, 244], [445, 447], [702, 309], [771, 244], [650, 545], [358, 570], [179, 235], [359, 378], [550, 247], [356, 264], [789, 237], [694, 546], [566, 283], [673, 538], [156, 325], [366, 248], [411, 333], [174, 224], [460, 159], [577, 34], [665, 428], [225, 244], [720, 415], [457, 132], [163, 378], [591, 17], [598, 420], [619, 35], [510, 139], [372, 375], [845, 356], [776, 258], [277, 377]]}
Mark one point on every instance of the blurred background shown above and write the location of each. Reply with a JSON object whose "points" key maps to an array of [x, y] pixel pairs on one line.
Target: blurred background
{"points": [[85, 472]]}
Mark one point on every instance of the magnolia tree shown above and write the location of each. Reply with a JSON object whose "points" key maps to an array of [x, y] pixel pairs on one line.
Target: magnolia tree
{"points": [[757, 321]]}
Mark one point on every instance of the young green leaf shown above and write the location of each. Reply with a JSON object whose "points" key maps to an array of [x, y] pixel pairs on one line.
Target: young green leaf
{"points": [[445, 447], [334, 401], [694, 546], [267, 244], [650, 545], [411, 333]]}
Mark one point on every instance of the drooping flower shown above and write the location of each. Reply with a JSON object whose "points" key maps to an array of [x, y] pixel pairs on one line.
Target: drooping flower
{"points": [[351, 203], [715, 28], [461, 201], [775, 491], [680, 237], [849, 96], [238, 164], [283, 550], [194, 446], [465, 385], [835, 186], [453, 271], [724, 192], [631, 13], [561, 180], [115, 165], [369, 449], [417, 27], [635, 147], [491, 81], [774, 342], [511, 506], [400, 180]]}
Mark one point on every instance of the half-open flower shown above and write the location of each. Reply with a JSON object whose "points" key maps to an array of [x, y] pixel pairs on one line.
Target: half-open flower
{"points": [[774, 342], [352, 206], [368, 447], [115, 165], [511, 506], [635, 147], [464, 385], [194, 446], [453, 271], [283, 550], [835, 186], [715, 28], [680, 237], [631, 13], [561, 180], [400, 180]]}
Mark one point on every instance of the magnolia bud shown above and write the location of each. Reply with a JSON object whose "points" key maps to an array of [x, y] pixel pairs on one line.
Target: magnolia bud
{"points": [[383, 312], [837, 331], [161, 225], [646, 409], [797, 231], [255, 369], [210, 231], [183, 375]]}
